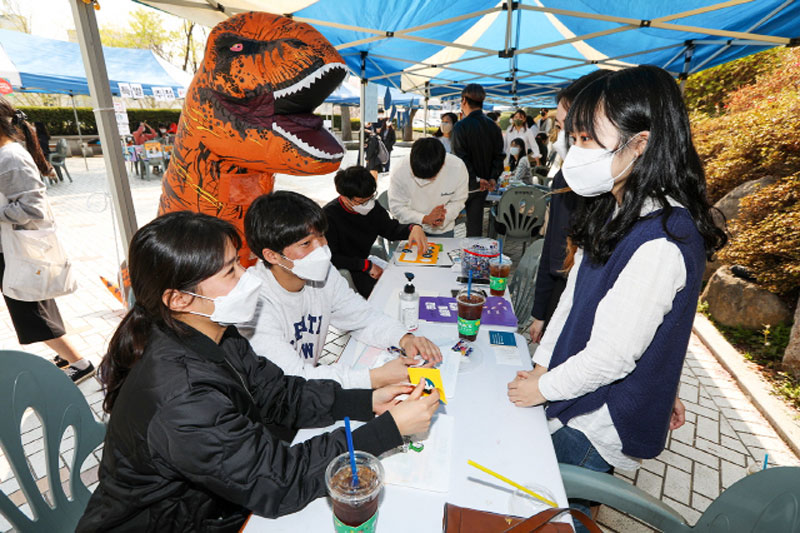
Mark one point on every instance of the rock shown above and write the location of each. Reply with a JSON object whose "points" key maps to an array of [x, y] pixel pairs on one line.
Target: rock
{"points": [[733, 301], [711, 267], [791, 357], [729, 204]]}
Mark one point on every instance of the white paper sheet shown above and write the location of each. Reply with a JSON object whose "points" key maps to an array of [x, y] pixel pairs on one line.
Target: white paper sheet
{"points": [[428, 469]]}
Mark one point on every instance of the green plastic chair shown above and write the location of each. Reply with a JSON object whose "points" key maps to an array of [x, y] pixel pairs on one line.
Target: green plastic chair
{"points": [[520, 214], [767, 501], [29, 381], [59, 157], [522, 286]]}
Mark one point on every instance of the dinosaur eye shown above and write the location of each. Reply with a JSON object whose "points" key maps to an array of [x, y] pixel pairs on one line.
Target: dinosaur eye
{"points": [[238, 47]]}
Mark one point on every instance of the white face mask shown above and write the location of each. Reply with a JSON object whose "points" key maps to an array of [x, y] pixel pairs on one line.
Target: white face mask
{"points": [[587, 171], [314, 266], [236, 307], [560, 145], [446, 127], [364, 208], [515, 150]]}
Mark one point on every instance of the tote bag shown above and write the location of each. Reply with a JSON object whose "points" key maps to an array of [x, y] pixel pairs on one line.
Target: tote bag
{"points": [[37, 268]]}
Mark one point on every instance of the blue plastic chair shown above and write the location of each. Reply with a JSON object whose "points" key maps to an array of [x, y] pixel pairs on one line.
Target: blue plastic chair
{"points": [[29, 381], [767, 501]]}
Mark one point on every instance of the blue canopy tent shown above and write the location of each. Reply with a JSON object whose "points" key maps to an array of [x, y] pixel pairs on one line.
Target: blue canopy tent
{"points": [[36, 64], [521, 51]]}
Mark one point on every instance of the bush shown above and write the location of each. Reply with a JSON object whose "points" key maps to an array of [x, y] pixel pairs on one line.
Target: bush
{"points": [[61, 120], [758, 135]]}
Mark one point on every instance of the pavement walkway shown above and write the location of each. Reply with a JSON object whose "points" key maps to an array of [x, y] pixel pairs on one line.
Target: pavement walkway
{"points": [[724, 432]]}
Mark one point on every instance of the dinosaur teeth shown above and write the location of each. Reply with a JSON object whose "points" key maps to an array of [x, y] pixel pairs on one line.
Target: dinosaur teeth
{"points": [[297, 141], [306, 82]]}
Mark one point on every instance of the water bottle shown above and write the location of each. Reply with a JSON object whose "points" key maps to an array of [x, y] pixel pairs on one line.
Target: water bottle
{"points": [[409, 305]]}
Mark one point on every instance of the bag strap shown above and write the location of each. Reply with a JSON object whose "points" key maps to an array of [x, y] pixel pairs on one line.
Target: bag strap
{"points": [[538, 520]]}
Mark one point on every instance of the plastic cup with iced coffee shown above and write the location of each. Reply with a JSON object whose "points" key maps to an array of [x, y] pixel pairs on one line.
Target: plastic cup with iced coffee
{"points": [[499, 271], [355, 507], [470, 308]]}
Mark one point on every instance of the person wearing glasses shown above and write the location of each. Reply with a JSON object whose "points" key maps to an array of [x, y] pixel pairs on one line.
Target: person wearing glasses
{"points": [[355, 220]]}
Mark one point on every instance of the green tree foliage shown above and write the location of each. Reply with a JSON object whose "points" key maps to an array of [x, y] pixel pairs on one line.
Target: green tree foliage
{"points": [[758, 135], [145, 30], [61, 120], [707, 91]]}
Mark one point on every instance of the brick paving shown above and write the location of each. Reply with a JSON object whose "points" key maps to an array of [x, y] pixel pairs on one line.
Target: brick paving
{"points": [[723, 434]]}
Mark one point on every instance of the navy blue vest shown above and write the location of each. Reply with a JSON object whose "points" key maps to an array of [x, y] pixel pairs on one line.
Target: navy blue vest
{"points": [[640, 403]]}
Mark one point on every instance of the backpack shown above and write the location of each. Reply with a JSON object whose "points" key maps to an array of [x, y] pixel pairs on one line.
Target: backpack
{"points": [[383, 153]]}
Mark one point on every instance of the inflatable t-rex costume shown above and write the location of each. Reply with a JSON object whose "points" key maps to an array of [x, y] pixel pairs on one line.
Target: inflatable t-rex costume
{"points": [[247, 115]]}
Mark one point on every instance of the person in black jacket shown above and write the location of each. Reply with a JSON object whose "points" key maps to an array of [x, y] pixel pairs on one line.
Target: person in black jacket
{"points": [[389, 137], [355, 220], [188, 445], [552, 276], [479, 143]]}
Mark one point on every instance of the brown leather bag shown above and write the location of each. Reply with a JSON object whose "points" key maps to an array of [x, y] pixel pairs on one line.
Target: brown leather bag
{"points": [[465, 520]]}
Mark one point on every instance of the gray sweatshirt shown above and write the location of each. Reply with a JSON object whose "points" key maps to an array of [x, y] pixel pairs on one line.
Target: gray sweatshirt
{"points": [[22, 185]]}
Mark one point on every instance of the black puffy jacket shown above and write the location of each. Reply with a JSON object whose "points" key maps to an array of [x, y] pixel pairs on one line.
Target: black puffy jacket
{"points": [[187, 448]]}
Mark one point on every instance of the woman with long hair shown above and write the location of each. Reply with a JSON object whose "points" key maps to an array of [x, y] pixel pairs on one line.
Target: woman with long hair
{"points": [[22, 165], [610, 362], [519, 129], [518, 161], [448, 120], [190, 444]]}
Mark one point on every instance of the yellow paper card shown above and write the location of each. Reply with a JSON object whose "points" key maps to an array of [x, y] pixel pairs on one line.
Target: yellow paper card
{"points": [[433, 378]]}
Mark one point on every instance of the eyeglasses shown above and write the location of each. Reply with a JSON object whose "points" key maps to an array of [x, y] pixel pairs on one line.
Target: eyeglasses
{"points": [[362, 202]]}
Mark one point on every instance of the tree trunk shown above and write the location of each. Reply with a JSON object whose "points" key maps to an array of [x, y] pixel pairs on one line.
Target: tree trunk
{"points": [[408, 129], [347, 131], [791, 357], [189, 27]]}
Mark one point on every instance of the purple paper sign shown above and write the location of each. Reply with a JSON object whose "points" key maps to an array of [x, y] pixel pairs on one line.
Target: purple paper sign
{"points": [[496, 312]]}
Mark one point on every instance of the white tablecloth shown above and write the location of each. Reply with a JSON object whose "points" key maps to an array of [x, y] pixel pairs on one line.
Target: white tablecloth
{"points": [[489, 430]]}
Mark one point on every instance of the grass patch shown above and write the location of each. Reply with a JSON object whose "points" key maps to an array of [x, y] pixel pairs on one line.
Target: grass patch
{"points": [[765, 348]]}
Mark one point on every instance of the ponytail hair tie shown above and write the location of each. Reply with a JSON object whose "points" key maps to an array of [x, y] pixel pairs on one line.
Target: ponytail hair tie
{"points": [[19, 117]]}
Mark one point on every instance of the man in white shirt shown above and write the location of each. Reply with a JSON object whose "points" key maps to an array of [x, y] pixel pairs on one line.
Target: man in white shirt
{"points": [[302, 294], [429, 187]]}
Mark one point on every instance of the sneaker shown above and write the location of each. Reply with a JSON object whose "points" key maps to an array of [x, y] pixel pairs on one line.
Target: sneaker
{"points": [[79, 376], [60, 362]]}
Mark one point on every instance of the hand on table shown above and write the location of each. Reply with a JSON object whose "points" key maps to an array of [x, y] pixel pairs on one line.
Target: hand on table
{"points": [[375, 271], [536, 330], [393, 372], [523, 391], [421, 346], [413, 415], [678, 417], [417, 237], [384, 398]]}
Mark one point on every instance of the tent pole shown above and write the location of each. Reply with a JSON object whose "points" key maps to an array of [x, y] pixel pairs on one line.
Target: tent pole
{"points": [[425, 118], [97, 76], [78, 124], [687, 60], [363, 102]]}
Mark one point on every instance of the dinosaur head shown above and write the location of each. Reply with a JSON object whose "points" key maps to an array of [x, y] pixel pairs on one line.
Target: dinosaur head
{"points": [[252, 100]]}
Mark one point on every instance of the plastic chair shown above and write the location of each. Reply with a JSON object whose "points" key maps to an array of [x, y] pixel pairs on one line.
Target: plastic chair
{"points": [[153, 157], [29, 381], [520, 213], [768, 500], [59, 157], [523, 282], [383, 200]]}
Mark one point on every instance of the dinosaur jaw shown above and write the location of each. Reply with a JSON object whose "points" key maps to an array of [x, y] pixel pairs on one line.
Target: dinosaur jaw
{"points": [[287, 112]]}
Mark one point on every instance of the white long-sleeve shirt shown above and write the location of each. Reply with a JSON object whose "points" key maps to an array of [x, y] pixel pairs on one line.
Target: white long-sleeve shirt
{"points": [[528, 136], [411, 198], [625, 323], [289, 328]]}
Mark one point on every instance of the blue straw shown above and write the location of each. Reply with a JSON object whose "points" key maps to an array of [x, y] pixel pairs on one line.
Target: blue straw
{"points": [[469, 284], [350, 449], [501, 251], [766, 456]]}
